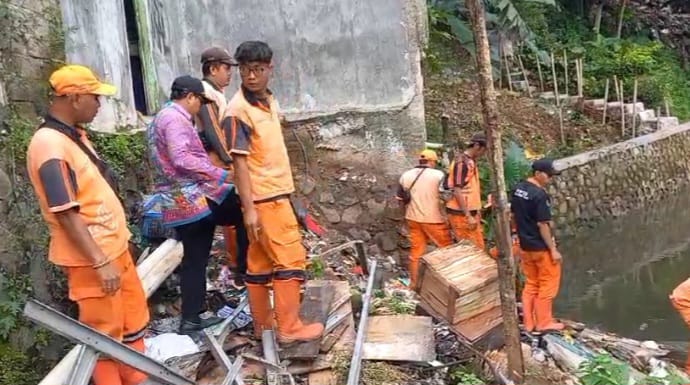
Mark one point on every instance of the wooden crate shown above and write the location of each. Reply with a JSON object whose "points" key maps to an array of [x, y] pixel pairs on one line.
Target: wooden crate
{"points": [[460, 285]]}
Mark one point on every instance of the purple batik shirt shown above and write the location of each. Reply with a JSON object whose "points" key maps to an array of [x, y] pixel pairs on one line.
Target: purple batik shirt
{"points": [[184, 175]]}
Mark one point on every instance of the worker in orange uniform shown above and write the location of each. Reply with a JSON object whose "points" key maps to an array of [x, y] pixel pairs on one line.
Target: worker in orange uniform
{"points": [[89, 238], [680, 298], [540, 258], [419, 191], [464, 207], [216, 67], [264, 181]]}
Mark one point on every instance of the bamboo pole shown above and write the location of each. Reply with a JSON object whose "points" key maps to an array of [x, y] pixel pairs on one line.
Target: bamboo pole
{"points": [[634, 117], [666, 107], [510, 78], [555, 81], [620, 18], [524, 74], [606, 100], [506, 263], [500, 66], [580, 78], [620, 84], [541, 77], [658, 118], [565, 66], [152, 271]]}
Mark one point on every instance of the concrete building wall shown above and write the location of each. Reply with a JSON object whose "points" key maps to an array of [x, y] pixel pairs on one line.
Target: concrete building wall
{"points": [[331, 56], [611, 181]]}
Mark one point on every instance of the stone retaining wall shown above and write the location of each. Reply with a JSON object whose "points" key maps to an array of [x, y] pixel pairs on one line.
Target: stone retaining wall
{"points": [[613, 180]]}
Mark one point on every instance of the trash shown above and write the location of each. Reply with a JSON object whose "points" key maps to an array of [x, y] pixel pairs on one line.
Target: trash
{"points": [[242, 320], [165, 346]]}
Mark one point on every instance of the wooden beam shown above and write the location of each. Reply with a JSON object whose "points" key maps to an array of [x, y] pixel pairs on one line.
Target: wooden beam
{"points": [[152, 271]]}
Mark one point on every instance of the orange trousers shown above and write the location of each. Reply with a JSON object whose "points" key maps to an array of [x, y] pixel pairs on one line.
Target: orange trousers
{"points": [[680, 298], [462, 230], [278, 253], [230, 245], [123, 316], [420, 235], [542, 280]]}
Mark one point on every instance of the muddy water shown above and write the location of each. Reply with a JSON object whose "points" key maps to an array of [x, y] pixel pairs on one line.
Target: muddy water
{"points": [[619, 274]]}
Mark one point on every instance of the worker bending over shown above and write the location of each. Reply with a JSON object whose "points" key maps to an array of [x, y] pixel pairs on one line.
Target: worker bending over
{"points": [[216, 66], [540, 259], [680, 298], [464, 207], [89, 238], [264, 181], [419, 191]]}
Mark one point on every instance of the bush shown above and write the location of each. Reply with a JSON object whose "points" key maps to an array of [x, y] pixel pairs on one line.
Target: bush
{"points": [[17, 368]]}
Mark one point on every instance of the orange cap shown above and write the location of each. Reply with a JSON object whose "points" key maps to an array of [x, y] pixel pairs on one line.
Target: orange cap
{"points": [[77, 79], [428, 155]]}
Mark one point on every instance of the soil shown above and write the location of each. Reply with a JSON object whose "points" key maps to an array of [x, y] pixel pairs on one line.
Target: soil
{"points": [[533, 124]]}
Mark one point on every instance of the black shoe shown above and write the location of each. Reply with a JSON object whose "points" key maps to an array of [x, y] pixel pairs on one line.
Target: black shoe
{"points": [[188, 327]]}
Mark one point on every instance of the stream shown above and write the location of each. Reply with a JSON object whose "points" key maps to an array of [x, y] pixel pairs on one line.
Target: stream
{"points": [[618, 275]]}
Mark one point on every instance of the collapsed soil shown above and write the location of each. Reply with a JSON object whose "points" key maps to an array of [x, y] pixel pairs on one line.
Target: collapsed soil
{"points": [[532, 124]]}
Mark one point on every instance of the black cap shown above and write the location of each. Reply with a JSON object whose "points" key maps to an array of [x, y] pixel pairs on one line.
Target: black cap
{"points": [[188, 84], [545, 165], [217, 54], [478, 138]]}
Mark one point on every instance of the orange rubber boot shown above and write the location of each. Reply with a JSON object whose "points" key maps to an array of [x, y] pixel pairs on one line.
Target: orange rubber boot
{"points": [[260, 305], [129, 375], [106, 372], [287, 305], [528, 311], [544, 315], [413, 269]]}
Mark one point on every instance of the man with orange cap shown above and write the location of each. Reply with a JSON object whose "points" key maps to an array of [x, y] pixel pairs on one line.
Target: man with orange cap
{"points": [[264, 181], [89, 238], [419, 191], [680, 298], [464, 207], [540, 258]]}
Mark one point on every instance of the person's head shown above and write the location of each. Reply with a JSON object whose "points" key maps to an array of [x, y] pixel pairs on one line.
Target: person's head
{"points": [[255, 59], [428, 158], [543, 171], [216, 65], [476, 147], [75, 91], [188, 92]]}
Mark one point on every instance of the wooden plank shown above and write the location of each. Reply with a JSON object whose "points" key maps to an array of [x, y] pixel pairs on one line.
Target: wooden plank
{"points": [[315, 308], [344, 346], [323, 377], [478, 326], [400, 338]]}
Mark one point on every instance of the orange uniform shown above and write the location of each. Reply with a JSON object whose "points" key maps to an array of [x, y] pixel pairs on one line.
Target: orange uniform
{"points": [[423, 213], [530, 205], [216, 142], [680, 298], [278, 254], [64, 178], [464, 175]]}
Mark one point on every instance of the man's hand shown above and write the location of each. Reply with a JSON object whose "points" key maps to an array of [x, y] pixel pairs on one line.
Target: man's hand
{"points": [[230, 178], [251, 223], [556, 256], [471, 222], [110, 278]]}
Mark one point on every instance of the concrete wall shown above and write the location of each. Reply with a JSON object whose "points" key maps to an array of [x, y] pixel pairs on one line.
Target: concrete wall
{"points": [[96, 36], [331, 56], [613, 180]]}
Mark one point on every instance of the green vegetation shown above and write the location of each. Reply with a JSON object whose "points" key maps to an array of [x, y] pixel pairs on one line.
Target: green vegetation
{"points": [[17, 368], [606, 370], [463, 376]]}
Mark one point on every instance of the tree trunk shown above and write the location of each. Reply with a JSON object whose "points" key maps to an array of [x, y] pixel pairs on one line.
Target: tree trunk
{"points": [[506, 263]]}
